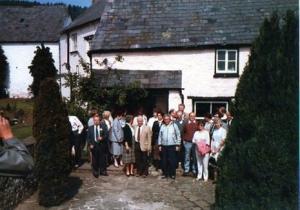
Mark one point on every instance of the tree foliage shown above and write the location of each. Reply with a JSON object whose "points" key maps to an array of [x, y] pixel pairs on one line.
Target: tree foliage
{"points": [[87, 89], [75, 11], [51, 131], [258, 168], [4, 75], [42, 67]]}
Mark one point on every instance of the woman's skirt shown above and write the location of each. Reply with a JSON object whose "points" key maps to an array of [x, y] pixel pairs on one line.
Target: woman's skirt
{"points": [[116, 148], [129, 156]]}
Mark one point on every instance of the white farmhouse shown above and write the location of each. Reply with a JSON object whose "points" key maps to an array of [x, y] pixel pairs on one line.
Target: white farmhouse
{"points": [[22, 29], [190, 51], [75, 41]]}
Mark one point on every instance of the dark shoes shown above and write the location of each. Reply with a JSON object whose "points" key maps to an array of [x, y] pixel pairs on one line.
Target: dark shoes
{"points": [[185, 174], [96, 174], [104, 173]]}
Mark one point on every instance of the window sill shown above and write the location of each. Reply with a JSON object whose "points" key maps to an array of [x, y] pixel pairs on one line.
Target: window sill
{"points": [[226, 75]]}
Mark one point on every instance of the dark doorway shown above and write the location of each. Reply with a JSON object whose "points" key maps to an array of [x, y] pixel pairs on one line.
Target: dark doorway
{"points": [[157, 99]]}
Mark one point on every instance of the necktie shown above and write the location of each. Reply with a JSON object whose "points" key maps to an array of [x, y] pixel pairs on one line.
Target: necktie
{"points": [[139, 134], [97, 134]]}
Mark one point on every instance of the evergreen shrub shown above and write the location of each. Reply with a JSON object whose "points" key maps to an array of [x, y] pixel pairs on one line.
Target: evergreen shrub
{"points": [[259, 165], [51, 131]]}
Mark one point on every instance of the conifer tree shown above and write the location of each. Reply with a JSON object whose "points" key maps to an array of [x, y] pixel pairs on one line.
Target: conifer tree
{"points": [[42, 66], [258, 167], [51, 131], [3, 74]]}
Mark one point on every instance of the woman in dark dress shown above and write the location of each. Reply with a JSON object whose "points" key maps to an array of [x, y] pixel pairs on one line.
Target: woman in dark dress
{"points": [[128, 154]]}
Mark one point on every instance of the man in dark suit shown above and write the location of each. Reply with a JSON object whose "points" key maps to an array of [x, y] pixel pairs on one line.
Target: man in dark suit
{"points": [[97, 137]]}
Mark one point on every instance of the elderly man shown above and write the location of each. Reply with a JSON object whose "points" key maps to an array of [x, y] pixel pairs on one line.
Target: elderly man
{"points": [[97, 139], [189, 129], [143, 137], [181, 108], [169, 142]]}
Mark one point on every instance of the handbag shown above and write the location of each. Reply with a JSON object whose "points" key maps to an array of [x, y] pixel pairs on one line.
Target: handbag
{"points": [[202, 147]]}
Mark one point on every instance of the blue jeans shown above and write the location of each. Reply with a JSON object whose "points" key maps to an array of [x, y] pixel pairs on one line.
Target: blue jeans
{"points": [[189, 157]]}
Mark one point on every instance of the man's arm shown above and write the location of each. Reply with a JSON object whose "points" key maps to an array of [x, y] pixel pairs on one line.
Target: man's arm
{"points": [[149, 138], [79, 124], [14, 156], [178, 136]]}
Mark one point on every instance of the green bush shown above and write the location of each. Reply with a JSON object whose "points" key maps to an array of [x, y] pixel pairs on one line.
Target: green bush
{"points": [[42, 67], [51, 131], [4, 75], [259, 165]]}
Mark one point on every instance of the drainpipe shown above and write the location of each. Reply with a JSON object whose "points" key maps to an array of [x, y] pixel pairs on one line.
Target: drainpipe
{"points": [[181, 96], [68, 49]]}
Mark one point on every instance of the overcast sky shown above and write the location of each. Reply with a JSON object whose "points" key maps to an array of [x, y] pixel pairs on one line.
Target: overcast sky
{"points": [[84, 3]]}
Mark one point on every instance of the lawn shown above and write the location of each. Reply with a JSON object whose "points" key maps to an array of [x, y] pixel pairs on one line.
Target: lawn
{"points": [[22, 131], [12, 109]]}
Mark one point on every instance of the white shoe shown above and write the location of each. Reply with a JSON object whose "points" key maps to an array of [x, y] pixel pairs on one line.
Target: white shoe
{"points": [[198, 179], [121, 163], [116, 164]]}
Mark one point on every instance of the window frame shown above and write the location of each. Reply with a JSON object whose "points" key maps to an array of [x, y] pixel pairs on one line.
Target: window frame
{"points": [[88, 40], [74, 42], [226, 73], [211, 102]]}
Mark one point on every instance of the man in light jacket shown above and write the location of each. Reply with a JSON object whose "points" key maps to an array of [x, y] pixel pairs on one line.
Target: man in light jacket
{"points": [[15, 159], [143, 137], [169, 140]]}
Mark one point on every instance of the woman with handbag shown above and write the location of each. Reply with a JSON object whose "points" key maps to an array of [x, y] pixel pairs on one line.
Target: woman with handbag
{"points": [[202, 141]]}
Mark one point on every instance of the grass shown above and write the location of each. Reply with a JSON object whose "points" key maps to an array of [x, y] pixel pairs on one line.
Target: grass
{"points": [[22, 131]]}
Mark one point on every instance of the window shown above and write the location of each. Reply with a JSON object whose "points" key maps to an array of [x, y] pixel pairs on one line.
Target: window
{"points": [[227, 62], [88, 40], [73, 42], [203, 107]]}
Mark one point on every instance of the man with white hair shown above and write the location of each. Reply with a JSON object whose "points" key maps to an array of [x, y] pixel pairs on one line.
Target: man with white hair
{"points": [[143, 137], [169, 140]]}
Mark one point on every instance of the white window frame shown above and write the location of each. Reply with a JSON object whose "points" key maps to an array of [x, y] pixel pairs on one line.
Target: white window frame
{"points": [[210, 108], [226, 71], [74, 40], [88, 40]]}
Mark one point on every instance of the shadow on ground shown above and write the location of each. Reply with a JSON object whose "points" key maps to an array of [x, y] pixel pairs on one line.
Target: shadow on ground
{"points": [[72, 187]]}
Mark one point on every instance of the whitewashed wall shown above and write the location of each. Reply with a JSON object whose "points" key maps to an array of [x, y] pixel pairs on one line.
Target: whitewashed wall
{"points": [[74, 57], [19, 57], [197, 68]]}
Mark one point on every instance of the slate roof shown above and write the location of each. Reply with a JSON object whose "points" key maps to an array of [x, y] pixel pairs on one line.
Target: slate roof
{"points": [[32, 23], [144, 24], [148, 79], [93, 13]]}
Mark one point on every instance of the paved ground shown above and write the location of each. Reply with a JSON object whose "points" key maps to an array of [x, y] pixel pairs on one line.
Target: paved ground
{"points": [[117, 191]]}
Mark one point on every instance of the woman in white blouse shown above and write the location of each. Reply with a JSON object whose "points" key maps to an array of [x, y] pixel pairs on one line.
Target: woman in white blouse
{"points": [[202, 135]]}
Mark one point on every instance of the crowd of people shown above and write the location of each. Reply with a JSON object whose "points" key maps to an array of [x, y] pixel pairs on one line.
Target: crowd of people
{"points": [[166, 141]]}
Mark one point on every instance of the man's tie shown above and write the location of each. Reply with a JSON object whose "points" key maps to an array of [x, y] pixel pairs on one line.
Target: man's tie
{"points": [[139, 134], [97, 133]]}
